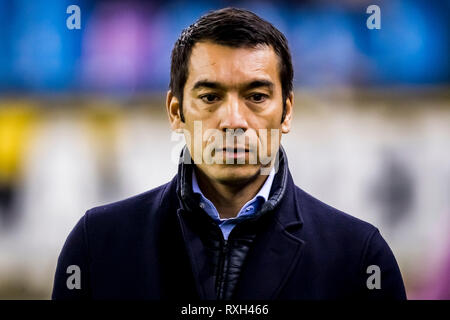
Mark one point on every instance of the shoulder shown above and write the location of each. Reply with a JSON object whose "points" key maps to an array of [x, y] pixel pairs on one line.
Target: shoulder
{"points": [[328, 221], [132, 209], [351, 245]]}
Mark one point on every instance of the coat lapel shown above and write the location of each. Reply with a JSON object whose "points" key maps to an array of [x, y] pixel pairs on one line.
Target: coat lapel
{"points": [[275, 254], [201, 266]]}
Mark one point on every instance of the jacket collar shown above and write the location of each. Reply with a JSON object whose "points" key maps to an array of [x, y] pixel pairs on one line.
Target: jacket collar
{"points": [[275, 252], [189, 201]]}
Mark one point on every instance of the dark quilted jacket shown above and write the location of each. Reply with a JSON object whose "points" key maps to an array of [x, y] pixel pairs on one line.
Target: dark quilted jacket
{"points": [[227, 256]]}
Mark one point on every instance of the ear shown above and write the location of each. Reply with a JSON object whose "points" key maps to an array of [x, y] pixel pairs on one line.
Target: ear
{"points": [[173, 111], [286, 124]]}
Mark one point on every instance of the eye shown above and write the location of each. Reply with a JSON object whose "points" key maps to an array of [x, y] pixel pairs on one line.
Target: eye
{"points": [[258, 97], [209, 98]]}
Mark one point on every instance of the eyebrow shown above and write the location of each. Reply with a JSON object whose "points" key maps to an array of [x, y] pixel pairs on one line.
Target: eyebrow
{"points": [[207, 84], [260, 83], [216, 85]]}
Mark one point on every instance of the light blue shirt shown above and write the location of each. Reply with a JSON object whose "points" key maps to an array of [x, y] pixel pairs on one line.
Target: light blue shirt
{"points": [[249, 209]]}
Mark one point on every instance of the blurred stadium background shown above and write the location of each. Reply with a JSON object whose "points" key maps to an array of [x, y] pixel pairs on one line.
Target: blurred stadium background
{"points": [[83, 122]]}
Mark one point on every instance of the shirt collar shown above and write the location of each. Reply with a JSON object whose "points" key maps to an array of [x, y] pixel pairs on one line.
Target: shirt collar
{"points": [[262, 193], [187, 197]]}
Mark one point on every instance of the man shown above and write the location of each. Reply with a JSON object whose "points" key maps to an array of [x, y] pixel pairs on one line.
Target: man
{"points": [[231, 224]]}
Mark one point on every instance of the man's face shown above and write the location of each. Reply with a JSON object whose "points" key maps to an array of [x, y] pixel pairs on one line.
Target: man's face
{"points": [[232, 89]]}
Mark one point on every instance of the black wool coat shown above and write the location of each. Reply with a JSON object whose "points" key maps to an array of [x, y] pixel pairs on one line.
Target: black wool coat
{"points": [[145, 248]]}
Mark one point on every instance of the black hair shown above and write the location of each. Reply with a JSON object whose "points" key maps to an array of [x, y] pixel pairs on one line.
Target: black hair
{"points": [[235, 28]]}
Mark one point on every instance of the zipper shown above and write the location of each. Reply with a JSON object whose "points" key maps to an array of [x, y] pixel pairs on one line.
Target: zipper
{"points": [[220, 276]]}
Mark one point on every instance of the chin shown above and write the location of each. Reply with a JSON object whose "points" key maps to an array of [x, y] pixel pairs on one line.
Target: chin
{"points": [[233, 173]]}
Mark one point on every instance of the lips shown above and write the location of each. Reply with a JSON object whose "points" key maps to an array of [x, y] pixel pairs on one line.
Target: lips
{"points": [[235, 150]]}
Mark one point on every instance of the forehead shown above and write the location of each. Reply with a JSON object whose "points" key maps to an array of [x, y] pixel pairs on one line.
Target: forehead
{"points": [[232, 66]]}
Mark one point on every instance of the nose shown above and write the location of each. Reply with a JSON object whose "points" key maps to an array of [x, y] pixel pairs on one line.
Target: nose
{"points": [[233, 115]]}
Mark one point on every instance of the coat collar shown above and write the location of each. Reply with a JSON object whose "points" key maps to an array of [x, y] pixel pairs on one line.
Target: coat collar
{"points": [[275, 252], [189, 200]]}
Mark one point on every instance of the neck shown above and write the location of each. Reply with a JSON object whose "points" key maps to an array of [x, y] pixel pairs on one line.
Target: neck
{"points": [[229, 198]]}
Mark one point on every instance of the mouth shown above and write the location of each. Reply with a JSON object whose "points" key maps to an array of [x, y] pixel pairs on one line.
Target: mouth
{"points": [[234, 152]]}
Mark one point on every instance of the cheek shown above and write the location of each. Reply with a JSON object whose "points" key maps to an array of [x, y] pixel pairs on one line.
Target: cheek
{"points": [[189, 108], [268, 136], [273, 112], [196, 110], [271, 119]]}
